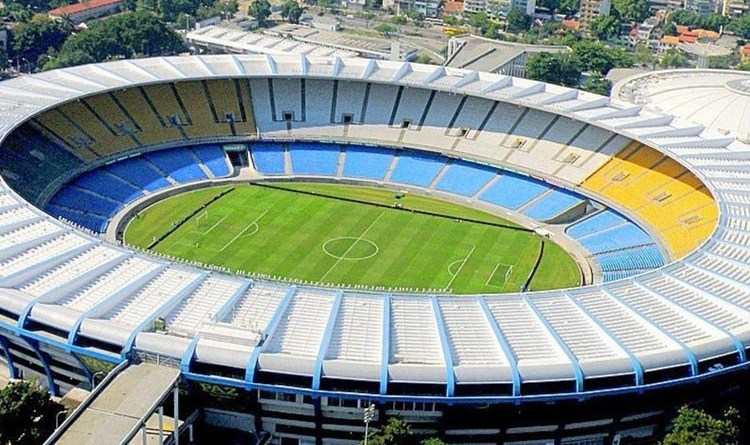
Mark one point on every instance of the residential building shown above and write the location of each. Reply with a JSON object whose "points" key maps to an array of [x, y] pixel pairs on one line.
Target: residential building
{"points": [[87, 10], [591, 9]]}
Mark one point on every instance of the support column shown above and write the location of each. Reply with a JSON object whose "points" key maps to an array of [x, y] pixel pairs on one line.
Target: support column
{"points": [[176, 415]]}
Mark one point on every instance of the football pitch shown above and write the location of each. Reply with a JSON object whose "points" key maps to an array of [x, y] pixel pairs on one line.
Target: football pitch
{"points": [[316, 233]]}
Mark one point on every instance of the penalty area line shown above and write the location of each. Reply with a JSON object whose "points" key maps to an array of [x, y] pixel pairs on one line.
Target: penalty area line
{"points": [[213, 227], [255, 222]]}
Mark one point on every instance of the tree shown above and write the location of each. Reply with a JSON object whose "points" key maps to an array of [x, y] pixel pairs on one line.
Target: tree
{"points": [[570, 7], [27, 414], [560, 68], [600, 58], [550, 5], [643, 56], [740, 26], [394, 432], [632, 10], [386, 29], [432, 441], [517, 21], [696, 427], [605, 27], [260, 10], [123, 36], [673, 59], [596, 83], [291, 11], [33, 39]]}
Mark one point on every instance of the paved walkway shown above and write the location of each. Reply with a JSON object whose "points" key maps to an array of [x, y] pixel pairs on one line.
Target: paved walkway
{"points": [[121, 406]]}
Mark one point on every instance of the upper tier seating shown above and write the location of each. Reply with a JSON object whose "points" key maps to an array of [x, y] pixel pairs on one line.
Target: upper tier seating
{"points": [[31, 162], [662, 192], [314, 159]]}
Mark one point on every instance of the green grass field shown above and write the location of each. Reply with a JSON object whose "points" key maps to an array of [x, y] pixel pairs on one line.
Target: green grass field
{"points": [[330, 241]]}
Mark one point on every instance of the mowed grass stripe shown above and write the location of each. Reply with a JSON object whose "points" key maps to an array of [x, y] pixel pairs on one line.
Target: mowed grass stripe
{"points": [[414, 251]]}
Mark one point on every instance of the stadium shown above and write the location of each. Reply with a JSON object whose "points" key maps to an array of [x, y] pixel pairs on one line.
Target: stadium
{"points": [[652, 211]]}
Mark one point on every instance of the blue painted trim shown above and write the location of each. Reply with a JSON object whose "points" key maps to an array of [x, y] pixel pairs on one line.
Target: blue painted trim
{"points": [[385, 345], [268, 332], [53, 388], [189, 354], [450, 376], [127, 348], [694, 371], [8, 358], [504, 345], [89, 376], [741, 357], [473, 400], [326, 340], [637, 368], [573, 360], [22, 333], [227, 306]]}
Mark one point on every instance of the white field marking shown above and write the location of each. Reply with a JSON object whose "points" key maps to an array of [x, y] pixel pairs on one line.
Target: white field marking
{"points": [[255, 222], [487, 283], [508, 269], [212, 227], [453, 276], [352, 246], [325, 249]]}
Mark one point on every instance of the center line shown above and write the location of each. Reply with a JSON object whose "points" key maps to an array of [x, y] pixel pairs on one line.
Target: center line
{"points": [[352, 246], [448, 286]]}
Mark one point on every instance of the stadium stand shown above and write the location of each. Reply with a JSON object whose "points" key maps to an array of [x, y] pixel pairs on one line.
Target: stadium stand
{"points": [[214, 158], [662, 192], [513, 191], [31, 162], [314, 159], [367, 162], [464, 178], [417, 168], [90, 199], [268, 158], [177, 164], [620, 248], [153, 129], [552, 204]]}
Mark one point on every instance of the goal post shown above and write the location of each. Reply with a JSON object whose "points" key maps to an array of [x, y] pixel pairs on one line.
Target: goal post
{"points": [[200, 218]]}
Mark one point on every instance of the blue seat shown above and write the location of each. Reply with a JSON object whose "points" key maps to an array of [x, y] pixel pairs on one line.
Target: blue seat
{"points": [[417, 168], [367, 162], [596, 223], [268, 158], [314, 159], [105, 184], [464, 178], [86, 202], [137, 171], [90, 221], [178, 163], [553, 204], [619, 237], [214, 158], [513, 191]]}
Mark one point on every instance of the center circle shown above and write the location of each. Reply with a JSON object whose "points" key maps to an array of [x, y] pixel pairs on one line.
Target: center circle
{"points": [[350, 248]]}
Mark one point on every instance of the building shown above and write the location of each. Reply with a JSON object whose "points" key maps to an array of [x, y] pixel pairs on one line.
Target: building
{"points": [[703, 7], [591, 9], [735, 8], [429, 8], [87, 10], [483, 54]]}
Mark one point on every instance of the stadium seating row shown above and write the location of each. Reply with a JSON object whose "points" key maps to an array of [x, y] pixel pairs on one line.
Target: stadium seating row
{"points": [[620, 248], [662, 192], [110, 123], [97, 195], [532, 197]]}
